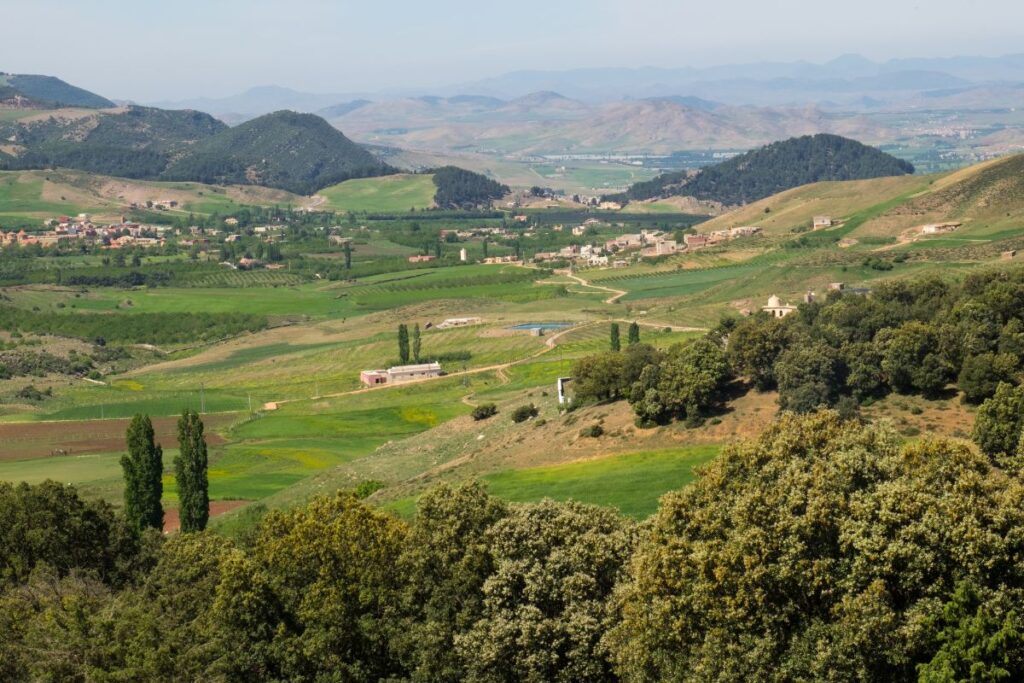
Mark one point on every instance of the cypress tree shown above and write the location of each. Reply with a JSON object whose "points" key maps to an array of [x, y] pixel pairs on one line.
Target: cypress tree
{"points": [[634, 333], [348, 256], [143, 468], [190, 473], [403, 344], [417, 343], [616, 344]]}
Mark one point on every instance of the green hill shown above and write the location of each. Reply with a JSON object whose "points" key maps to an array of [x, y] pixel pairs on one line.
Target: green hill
{"points": [[772, 169], [49, 91], [296, 152], [986, 200]]}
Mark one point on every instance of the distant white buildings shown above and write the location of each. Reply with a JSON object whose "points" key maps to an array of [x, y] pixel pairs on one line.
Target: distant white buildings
{"points": [[938, 228]]}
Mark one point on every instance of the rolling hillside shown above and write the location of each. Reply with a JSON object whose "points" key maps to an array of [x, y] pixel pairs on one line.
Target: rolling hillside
{"points": [[29, 197], [987, 199]]}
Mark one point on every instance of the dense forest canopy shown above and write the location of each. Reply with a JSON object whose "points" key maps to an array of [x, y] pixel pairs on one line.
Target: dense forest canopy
{"points": [[301, 153], [774, 168], [458, 188]]}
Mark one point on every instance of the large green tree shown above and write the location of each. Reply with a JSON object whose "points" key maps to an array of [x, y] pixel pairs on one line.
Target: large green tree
{"points": [[417, 342], [688, 381], [143, 469], [820, 551], [998, 424], [614, 341], [546, 601], [754, 345], [444, 563], [403, 343], [190, 468], [314, 596], [809, 376], [633, 336]]}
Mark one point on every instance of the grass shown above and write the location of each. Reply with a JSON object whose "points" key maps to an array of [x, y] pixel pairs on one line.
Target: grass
{"points": [[631, 482], [396, 193]]}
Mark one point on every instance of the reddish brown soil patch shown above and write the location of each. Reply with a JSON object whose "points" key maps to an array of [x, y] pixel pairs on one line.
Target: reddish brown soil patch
{"points": [[26, 440], [217, 507]]}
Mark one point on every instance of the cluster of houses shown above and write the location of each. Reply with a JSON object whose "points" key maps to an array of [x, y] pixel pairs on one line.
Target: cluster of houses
{"points": [[81, 228]]}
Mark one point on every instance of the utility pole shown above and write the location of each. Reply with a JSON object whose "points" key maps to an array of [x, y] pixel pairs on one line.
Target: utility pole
{"points": [[250, 403], [202, 398]]}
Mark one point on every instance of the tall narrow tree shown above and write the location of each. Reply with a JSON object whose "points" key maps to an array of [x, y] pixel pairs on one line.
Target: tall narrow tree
{"points": [[616, 342], [190, 473], [417, 342], [633, 336], [403, 343], [143, 469], [348, 256]]}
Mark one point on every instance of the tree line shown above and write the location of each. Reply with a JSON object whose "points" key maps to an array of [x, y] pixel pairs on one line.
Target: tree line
{"points": [[821, 550], [922, 336]]}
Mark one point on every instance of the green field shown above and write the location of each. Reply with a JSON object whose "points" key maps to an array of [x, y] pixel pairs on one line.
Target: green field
{"points": [[631, 482], [396, 193]]}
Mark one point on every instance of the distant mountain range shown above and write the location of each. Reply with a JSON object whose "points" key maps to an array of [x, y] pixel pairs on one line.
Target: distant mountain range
{"points": [[772, 169], [849, 81]]}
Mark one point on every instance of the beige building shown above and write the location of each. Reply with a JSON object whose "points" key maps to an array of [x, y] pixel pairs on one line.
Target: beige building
{"points": [[776, 308]]}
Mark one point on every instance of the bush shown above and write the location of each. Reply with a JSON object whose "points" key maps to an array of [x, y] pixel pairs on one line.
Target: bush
{"points": [[524, 413], [593, 431], [31, 393], [484, 411], [367, 488]]}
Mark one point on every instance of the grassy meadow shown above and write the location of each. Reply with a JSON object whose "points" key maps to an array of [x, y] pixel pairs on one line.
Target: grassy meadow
{"points": [[396, 193]]}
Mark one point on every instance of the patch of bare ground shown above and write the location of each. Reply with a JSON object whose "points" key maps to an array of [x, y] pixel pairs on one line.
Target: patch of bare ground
{"points": [[172, 521], [29, 440]]}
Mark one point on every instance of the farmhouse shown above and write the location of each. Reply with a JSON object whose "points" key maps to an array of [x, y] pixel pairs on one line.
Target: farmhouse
{"points": [[399, 374], [776, 308], [821, 222], [695, 241], [421, 258], [938, 228], [458, 322]]}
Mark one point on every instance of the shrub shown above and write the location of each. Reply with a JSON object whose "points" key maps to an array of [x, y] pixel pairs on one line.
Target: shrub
{"points": [[367, 488], [484, 411], [593, 431], [524, 413]]}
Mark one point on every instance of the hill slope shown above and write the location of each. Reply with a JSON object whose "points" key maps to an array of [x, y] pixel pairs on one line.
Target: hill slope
{"points": [[987, 199], [775, 168], [48, 91], [296, 152]]}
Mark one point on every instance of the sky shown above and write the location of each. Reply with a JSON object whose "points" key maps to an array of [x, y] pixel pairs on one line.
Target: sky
{"points": [[152, 50]]}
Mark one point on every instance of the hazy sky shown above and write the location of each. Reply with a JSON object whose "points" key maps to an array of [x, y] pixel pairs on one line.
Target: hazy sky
{"points": [[170, 49]]}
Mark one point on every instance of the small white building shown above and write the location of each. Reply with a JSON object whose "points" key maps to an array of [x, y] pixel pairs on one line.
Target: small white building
{"points": [[821, 222], [399, 374], [462, 255], [776, 308]]}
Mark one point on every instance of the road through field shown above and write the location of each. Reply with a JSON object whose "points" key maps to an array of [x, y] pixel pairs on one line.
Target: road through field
{"points": [[549, 344]]}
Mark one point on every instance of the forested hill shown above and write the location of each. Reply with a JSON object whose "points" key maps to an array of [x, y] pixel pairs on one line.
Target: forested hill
{"points": [[297, 152], [774, 168], [459, 188], [48, 91]]}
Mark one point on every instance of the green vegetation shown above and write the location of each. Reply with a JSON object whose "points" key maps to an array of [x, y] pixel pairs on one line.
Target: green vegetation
{"points": [[630, 483], [190, 473], [297, 152], [51, 91], [143, 476], [461, 189], [772, 169], [386, 194]]}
